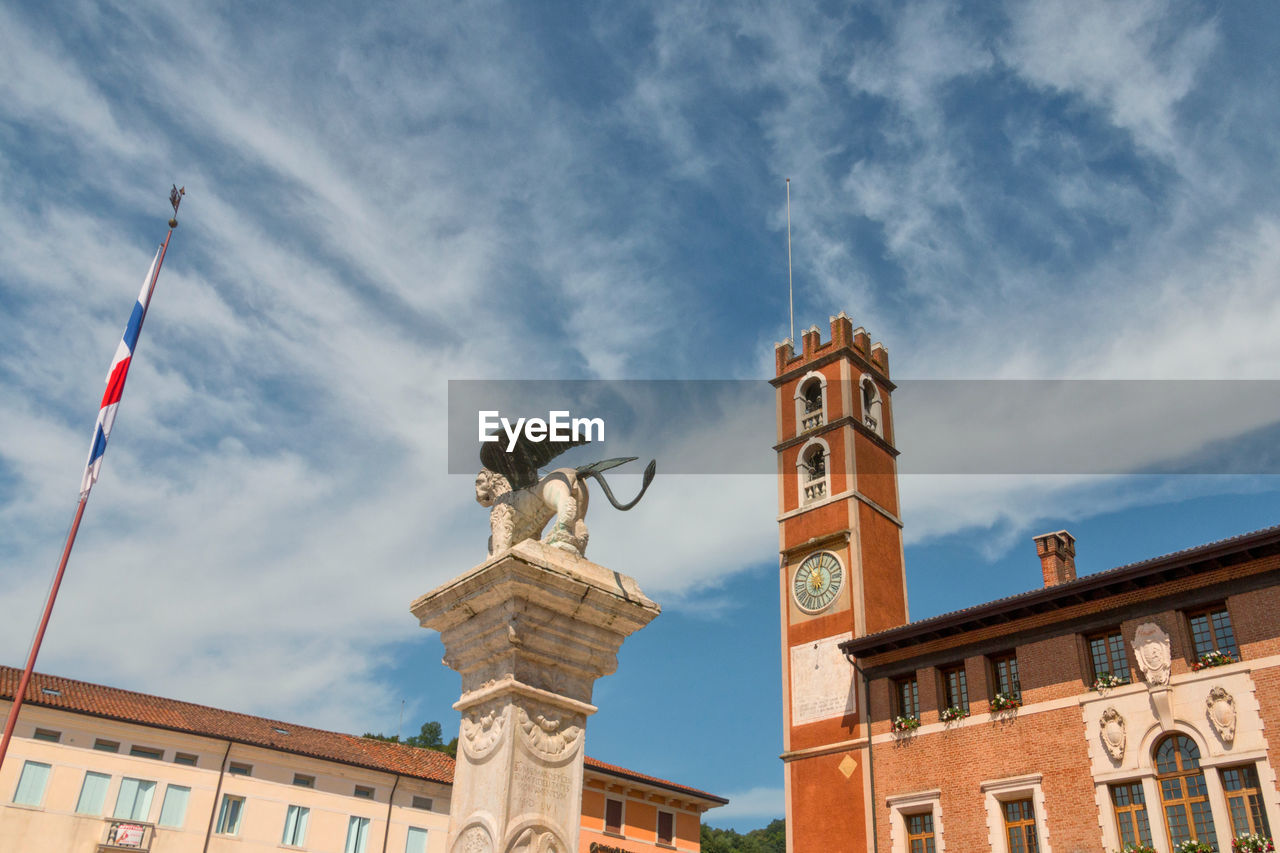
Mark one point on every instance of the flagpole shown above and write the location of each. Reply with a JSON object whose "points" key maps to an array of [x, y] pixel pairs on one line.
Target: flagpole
{"points": [[25, 681]]}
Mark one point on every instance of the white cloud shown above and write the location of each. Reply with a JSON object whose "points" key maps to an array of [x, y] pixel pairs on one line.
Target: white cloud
{"points": [[749, 806]]}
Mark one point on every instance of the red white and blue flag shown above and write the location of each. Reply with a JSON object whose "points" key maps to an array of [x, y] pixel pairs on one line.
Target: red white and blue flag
{"points": [[115, 380]]}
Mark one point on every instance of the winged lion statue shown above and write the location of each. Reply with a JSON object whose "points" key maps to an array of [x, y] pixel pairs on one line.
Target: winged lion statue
{"points": [[521, 502]]}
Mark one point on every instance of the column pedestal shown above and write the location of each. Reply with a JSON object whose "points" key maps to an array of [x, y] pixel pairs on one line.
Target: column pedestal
{"points": [[529, 630]]}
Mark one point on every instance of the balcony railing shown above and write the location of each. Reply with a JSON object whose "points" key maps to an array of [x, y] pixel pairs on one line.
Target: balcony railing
{"points": [[127, 835]]}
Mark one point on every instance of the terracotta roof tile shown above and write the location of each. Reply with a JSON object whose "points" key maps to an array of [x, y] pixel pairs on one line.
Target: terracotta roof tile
{"points": [[127, 706]]}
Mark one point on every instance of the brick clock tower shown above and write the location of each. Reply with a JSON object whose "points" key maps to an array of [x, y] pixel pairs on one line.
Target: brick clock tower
{"points": [[840, 572]]}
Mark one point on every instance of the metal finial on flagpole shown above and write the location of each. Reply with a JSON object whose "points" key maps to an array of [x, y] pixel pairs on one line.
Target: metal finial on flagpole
{"points": [[175, 199], [791, 299]]}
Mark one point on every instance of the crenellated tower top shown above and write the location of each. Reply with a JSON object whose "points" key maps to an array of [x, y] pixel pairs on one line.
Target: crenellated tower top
{"points": [[843, 336]]}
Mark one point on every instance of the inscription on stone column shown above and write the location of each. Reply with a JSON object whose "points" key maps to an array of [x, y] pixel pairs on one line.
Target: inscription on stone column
{"points": [[533, 784]]}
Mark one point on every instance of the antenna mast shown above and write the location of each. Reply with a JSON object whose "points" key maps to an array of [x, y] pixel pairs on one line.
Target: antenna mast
{"points": [[791, 299]]}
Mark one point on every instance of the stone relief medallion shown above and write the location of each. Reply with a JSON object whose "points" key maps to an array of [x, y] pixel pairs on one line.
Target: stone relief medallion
{"points": [[1220, 706], [1113, 733], [474, 839], [536, 839], [1151, 648], [549, 733], [482, 729]]}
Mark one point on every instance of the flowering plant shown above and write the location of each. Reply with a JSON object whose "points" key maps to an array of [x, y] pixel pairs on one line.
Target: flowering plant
{"points": [[1109, 679], [905, 723], [1192, 847], [1004, 702], [1135, 847], [955, 712], [1209, 659], [1252, 843]]}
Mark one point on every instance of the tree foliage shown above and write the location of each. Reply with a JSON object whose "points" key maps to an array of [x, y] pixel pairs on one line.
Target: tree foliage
{"points": [[428, 738], [769, 839]]}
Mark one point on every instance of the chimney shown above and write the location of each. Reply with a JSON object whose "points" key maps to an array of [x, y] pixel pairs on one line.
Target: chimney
{"points": [[1057, 552]]}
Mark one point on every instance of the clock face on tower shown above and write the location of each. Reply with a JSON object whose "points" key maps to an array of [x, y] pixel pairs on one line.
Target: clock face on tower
{"points": [[817, 581]]}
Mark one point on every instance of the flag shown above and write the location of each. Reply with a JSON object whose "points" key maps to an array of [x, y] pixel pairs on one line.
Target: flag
{"points": [[115, 380]]}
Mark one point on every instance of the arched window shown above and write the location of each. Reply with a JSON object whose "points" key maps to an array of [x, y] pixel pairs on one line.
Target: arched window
{"points": [[812, 467], [1183, 796], [811, 402], [872, 406]]}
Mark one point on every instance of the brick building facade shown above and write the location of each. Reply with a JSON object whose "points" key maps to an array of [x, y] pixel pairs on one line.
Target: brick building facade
{"points": [[1114, 729]]}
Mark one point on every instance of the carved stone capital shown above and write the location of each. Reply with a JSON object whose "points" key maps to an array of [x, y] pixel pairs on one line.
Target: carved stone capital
{"points": [[550, 733], [482, 728]]}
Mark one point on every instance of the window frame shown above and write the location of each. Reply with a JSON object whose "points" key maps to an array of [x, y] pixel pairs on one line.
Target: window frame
{"points": [[36, 767], [1250, 792], [104, 745], [101, 808], [902, 807], [1136, 810], [301, 816], [1023, 825], [185, 792], [1113, 644], [186, 759], [962, 687], [302, 780], [900, 707], [360, 842], [1010, 660], [620, 829], [670, 840], [364, 792], [239, 768], [150, 800], [408, 837], [222, 826], [997, 792], [47, 735], [1208, 612], [149, 752], [421, 803], [1186, 799]]}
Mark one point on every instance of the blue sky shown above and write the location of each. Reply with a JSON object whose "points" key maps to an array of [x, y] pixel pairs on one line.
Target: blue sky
{"points": [[382, 199]]}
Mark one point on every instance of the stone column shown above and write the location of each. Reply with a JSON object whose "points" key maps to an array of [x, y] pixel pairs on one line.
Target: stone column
{"points": [[529, 630]]}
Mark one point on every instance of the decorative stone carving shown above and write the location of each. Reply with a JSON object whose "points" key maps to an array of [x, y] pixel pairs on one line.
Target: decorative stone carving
{"points": [[549, 733], [1114, 733], [482, 729], [529, 630], [536, 839], [474, 839], [1151, 648], [1220, 706], [520, 503]]}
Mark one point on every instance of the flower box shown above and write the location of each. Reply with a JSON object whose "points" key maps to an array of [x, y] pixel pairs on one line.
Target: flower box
{"points": [[1252, 843], [1005, 702], [905, 724], [950, 715], [1108, 680], [1210, 659]]}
